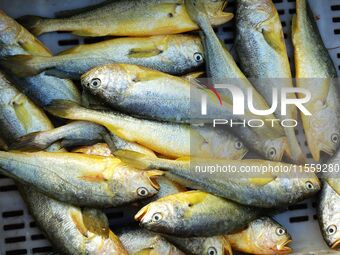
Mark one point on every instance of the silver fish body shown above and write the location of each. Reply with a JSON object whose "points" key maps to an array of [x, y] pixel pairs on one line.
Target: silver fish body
{"points": [[174, 54]]}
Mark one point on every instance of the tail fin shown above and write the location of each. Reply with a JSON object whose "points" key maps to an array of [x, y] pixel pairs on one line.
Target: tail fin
{"points": [[32, 23], [64, 109], [23, 65], [31, 142]]}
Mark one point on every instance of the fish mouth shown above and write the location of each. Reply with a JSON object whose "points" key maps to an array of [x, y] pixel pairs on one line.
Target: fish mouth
{"points": [[141, 214], [283, 248], [336, 244], [152, 175]]}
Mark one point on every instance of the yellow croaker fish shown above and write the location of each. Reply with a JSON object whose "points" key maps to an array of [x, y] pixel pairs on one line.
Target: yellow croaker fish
{"points": [[262, 52], [263, 236], [169, 139], [167, 187], [42, 88], [316, 73], [250, 182], [84, 180], [129, 18], [174, 54], [195, 214], [71, 230]]}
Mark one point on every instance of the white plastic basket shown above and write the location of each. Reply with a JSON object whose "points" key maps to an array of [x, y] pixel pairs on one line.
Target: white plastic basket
{"points": [[18, 232]]}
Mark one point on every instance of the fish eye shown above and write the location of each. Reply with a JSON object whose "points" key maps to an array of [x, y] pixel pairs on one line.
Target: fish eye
{"points": [[335, 138], [331, 230], [280, 231], [212, 251], [157, 217], [198, 57], [272, 152], [309, 185], [143, 192], [238, 145], [95, 83]]}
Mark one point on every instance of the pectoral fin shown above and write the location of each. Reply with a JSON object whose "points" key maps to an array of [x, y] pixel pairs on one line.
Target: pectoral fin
{"points": [[144, 52], [96, 222]]}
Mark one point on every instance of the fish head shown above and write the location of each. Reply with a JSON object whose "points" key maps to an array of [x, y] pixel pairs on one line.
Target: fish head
{"points": [[161, 215], [269, 236], [275, 148], [218, 245], [137, 184], [322, 134], [109, 80], [329, 216], [188, 51], [304, 186]]}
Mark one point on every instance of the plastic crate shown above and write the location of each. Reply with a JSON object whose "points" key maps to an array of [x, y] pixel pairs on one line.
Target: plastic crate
{"points": [[18, 232]]}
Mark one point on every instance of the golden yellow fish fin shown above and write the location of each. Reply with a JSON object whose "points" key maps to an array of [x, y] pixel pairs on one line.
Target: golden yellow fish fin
{"points": [[220, 18], [134, 158], [261, 181], [146, 52], [193, 75], [195, 197], [93, 177], [77, 219], [96, 222], [146, 251], [272, 33], [23, 115], [35, 47], [184, 158]]}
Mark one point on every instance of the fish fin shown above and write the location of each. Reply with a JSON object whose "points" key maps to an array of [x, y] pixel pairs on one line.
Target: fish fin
{"points": [[152, 175], [19, 105], [144, 52], [274, 40], [22, 65], [96, 222], [30, 142], [136, 159], [261, 181], [146, 251], [184, 158], [221, 18], [32, 23], [93, 177], [77, 218], [193, 75], [63, 108], [195, 197]]}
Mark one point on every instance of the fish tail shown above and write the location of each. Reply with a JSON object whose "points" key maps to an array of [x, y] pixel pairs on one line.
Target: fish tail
{"points": [[31, 142], [65, 109], [295, 152], [24, 65], [35, 24]]}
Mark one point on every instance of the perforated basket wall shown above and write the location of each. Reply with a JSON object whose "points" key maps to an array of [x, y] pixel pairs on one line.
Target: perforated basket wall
{"points": [[18, 231]]}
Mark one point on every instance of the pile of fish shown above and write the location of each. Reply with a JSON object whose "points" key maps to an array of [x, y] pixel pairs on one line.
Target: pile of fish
{"points": [[125, 137]]}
